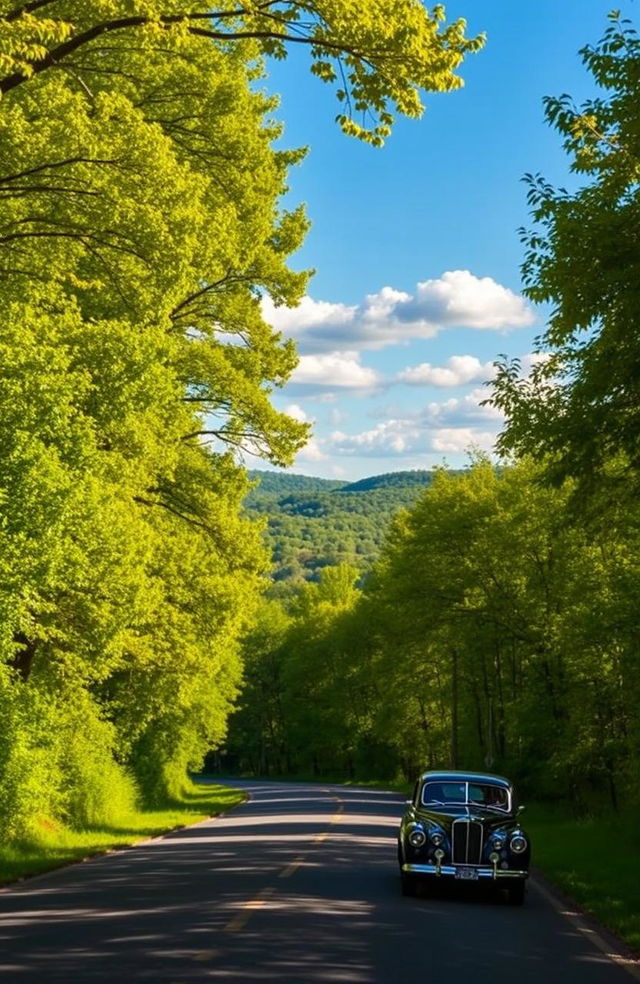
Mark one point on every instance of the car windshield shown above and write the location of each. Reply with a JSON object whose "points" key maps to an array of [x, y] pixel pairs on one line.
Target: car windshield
{"points": [[462, 793]]}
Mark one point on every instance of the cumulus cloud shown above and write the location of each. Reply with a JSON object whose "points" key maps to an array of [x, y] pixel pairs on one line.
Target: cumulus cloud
{"points": [[459, 370], [390, 316], [461, 411], [450, 426], [308, 313], [393, 437], [295, 410], [311, 451], [334, 370], [460, 439], [461, 299]]}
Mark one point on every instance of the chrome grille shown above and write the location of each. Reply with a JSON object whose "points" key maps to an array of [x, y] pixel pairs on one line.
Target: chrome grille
{"points": [[467, 842]]}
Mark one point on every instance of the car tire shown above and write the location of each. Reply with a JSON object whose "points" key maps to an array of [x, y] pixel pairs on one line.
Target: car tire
{"points": [[408, 883], [516, 893]]}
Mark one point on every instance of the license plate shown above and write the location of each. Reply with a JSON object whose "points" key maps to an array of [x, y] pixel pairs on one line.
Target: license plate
{"points": [[467, 874]]}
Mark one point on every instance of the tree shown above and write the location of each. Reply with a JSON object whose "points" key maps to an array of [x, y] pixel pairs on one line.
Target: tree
{"points": [[381, 54], [141, 224], [580, 406]]}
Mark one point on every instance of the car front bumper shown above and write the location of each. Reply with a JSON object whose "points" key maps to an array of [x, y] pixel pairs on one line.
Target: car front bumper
{"points": [[449, 871]]}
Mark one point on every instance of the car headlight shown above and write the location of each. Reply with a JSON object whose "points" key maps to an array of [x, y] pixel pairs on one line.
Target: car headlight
{"points": [[417, 837], [436, 838], [497, 841], [518, 843]]}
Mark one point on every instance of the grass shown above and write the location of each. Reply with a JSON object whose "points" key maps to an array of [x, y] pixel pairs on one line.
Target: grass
{"points": [[54, 844], [596, 862]]}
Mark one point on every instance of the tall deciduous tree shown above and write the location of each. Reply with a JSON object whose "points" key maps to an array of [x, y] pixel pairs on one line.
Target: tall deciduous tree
{"points": [[580, 404], [141, 223]]}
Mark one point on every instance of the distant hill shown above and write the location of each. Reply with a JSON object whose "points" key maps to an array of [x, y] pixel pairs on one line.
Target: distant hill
{"points": [[272, 482], [314, 522], [390, 480]]}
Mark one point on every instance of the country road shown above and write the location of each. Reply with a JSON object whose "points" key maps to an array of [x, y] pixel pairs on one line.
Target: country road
{"points": [[299, 884]]}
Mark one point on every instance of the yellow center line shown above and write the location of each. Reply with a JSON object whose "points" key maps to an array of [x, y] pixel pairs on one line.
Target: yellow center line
{"points": [[340, 810], [241, 918], [319, 838], [291, 868]]}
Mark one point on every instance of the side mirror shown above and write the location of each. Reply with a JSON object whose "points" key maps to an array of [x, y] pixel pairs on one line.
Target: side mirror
{"points": [[521, 809], [409, 802]]}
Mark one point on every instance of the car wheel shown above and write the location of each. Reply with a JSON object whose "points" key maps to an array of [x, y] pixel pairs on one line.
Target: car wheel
{"points": [[516, 893], [408, 883]]}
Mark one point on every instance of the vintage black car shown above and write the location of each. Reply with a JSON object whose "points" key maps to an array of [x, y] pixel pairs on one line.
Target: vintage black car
{"points": [[464, 826]]}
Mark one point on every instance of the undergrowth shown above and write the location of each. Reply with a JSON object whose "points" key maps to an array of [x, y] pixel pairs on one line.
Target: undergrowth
{"points": [[50, 843]]}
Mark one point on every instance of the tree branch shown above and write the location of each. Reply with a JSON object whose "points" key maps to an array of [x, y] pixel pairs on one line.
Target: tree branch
{"points": [[199, 293], [28, 8], [55, 56], [55, 164]]}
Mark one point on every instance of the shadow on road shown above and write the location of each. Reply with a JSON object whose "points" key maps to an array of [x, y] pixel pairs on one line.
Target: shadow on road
{"points": [[300, 884]]}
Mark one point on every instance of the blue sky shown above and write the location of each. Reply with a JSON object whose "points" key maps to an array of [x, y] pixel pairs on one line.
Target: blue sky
{"points": [[415, 245]]}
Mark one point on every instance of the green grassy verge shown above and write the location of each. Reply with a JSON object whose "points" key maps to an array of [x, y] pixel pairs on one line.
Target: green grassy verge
{"points": [[54, 845], [596, 862]]}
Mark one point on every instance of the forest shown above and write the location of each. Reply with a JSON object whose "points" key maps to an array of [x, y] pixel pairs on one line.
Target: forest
{"points": [[496, 631], [486, 617], [314, 523], [141, 224]]}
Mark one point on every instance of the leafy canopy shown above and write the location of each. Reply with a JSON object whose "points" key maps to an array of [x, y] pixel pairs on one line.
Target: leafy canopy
{"points": [[378, 54], [581, 403]]}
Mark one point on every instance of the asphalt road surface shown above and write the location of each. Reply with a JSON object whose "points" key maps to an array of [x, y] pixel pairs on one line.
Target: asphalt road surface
{"points": [[300, 884]]}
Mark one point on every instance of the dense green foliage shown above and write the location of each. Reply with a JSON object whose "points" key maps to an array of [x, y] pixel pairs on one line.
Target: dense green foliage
{"points": [[494, 633], [313, 523], [580, 407], [141, 224]]}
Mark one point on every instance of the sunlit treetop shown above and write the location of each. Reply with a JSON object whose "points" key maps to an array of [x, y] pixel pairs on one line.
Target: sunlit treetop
{"points": [[379, 54]]}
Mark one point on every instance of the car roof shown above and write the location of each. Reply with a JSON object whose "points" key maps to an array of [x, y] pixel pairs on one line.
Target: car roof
{"points": [[457, 776]]}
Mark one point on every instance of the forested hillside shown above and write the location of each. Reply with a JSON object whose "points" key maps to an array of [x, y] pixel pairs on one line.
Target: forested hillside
{"points": [[315, 523]]}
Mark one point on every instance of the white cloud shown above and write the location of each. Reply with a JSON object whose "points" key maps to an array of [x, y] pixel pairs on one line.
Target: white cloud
{"points": [[335, 370], [393, 437], [459, 298], [527, 362], [451, 426], [307, 314], [392, 317], [461, 411], [311, 451], [459, 370], [382, 305], [295, 410], [458, 439]]}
